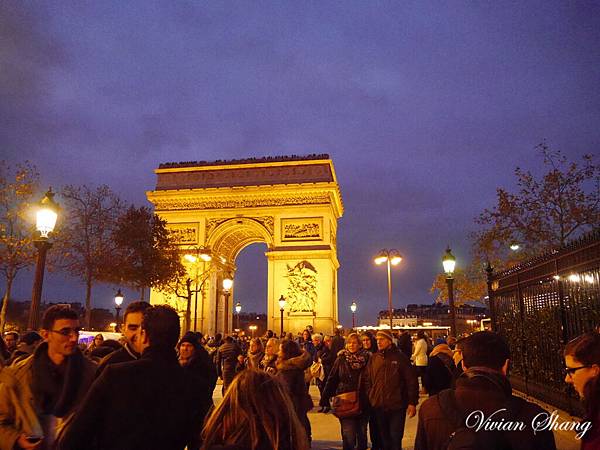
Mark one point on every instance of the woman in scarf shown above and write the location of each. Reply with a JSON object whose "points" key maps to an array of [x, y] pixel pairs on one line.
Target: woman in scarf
{"points": [[269, 361], [346, 376], [255, 354]]}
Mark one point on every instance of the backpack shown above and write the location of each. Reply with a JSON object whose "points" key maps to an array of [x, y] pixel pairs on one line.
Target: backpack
{"points": [[464, 438]]}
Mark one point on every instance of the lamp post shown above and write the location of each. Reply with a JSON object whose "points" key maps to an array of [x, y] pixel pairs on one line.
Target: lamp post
{"points": [[46, 216], [449, 262], [205, 256], [238, 310], [227, 285], [281, 308], [118, 303], [353, 309], [393, 258]]}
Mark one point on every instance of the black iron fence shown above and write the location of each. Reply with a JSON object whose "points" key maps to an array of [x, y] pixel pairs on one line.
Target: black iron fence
{"points": [[540, 305]]}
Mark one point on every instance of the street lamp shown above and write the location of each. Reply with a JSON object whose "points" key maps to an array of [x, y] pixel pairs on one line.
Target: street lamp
{"points": [[46, 216], [118, 303], [353, 309], [227, 285], [449, 262], [238, 310], [281, 307], [393, 258]]}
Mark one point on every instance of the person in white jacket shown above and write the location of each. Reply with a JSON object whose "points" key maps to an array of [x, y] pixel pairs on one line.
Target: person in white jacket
{"points": [[419, 356]]}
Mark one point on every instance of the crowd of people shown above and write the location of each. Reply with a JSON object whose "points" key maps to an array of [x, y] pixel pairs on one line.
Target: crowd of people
{"points": [[154, 389]]}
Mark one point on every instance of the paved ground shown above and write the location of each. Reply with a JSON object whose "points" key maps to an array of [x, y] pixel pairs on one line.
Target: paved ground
{"points": [[326, 428]]}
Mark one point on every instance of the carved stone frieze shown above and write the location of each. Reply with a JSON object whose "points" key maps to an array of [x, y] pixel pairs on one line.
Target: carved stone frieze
{"points": [[240, 202], [267, 221]]}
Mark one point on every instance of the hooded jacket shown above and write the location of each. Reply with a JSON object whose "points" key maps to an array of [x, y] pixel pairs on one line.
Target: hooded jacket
{"points": [[440, 369], [486, 390], [21, 408], [291, 373]]}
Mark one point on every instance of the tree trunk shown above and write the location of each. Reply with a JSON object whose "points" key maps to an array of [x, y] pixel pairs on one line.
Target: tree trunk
{"points": [[9, 281], [188, 310], [88, 302]]}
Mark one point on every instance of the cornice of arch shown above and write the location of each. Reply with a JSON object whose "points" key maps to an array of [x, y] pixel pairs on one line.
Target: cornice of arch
{"points": [[248, 197]]}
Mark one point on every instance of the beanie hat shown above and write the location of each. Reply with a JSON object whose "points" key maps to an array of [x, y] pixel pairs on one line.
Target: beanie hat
{"points": [[191, 338], [386, 334], [439, 341]]}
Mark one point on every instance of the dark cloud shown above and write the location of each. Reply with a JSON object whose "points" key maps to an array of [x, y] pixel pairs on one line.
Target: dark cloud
{"points": [[424, 107]]}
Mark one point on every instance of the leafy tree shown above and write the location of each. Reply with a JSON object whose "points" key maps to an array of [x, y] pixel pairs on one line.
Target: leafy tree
{"points": [[18, 185], [147, 254], [84, 247], [544, 213], [469, 286]]}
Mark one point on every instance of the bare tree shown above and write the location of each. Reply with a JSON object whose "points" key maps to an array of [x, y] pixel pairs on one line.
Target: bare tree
{"points": [[84, 245]]}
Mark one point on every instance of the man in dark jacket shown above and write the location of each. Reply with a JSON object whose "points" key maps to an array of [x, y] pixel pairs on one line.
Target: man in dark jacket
{"points": [[227, 361], [393, 390], [131, 350], [148, 403], [481, 391]]}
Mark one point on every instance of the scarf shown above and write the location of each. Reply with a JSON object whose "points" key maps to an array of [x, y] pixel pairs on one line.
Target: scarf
{"points": [[55, 387], [357, 360]]}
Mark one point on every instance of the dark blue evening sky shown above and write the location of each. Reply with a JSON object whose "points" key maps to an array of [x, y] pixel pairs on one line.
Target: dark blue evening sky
{"points": [[425, 108]]}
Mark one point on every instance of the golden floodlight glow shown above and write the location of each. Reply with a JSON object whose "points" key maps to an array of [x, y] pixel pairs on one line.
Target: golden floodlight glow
{"points": [[190, 258]]}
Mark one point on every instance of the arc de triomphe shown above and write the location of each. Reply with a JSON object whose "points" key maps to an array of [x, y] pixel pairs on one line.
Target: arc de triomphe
{"points": [[291, 203]]}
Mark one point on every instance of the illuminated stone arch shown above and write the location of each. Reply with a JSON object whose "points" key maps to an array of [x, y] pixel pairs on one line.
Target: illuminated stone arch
{"points": [[291, 204]]}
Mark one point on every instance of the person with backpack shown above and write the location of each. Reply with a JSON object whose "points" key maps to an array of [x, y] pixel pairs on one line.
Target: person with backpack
{"points": [[440, 369], [454, 418]]}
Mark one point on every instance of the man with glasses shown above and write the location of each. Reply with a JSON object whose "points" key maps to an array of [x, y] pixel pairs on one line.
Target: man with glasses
{"points": [[39, 394]]}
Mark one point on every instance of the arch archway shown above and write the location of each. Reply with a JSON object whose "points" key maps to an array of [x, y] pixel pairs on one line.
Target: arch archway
{"points": [[292, 204]]}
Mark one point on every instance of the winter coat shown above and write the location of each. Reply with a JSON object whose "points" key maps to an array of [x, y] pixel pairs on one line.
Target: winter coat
{"points": [[269, 364], [337, 343], [151, 403], [344, 378], [227, 360], [480, 389], [390, 380], [21, 410], [405, 344], [440, 370], [419, 356], [291, 373], [327, 358], [253, 360], [124, 354]]}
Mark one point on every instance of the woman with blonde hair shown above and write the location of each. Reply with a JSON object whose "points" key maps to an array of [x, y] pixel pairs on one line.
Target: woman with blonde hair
{"points": [[255, 414]]}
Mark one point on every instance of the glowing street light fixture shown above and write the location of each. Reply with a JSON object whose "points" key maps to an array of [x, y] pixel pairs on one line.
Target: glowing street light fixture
{"points": [[227, 284], [46, 216], [449, 263], [281, 308], [393, 258], [118, 302], [353, 309], [238, 310]]}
